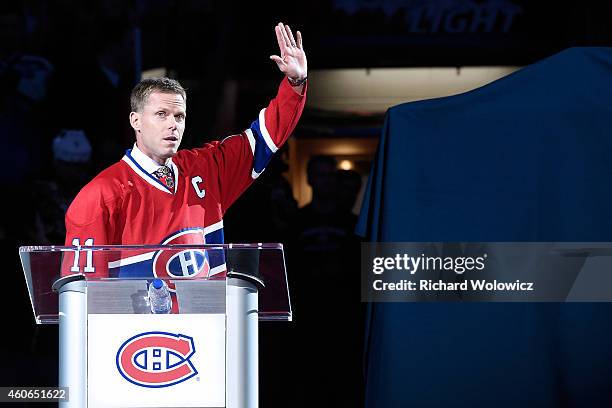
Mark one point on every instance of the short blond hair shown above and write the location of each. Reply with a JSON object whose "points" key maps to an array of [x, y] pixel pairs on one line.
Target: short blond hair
{"points": [[140, 93]]}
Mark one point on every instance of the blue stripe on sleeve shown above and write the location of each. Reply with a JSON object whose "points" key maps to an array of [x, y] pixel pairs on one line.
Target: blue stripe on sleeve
{"points": [[262, 154]]}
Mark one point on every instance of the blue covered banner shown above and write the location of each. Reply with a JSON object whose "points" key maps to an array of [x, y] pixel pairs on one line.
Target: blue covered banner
{"points": [[526, 158]]}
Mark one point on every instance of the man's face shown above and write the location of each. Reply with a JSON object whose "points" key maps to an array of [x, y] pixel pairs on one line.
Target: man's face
{"points": [[160, 126]]}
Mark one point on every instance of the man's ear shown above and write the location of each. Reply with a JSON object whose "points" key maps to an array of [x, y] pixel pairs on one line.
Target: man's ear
{"points": [[135, 121]]}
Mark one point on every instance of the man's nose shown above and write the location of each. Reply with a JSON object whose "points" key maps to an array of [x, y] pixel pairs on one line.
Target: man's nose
{"points": [[172, 122]]}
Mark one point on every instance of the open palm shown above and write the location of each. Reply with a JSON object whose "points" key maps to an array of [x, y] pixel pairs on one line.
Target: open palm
{"points": [[292, 59]]}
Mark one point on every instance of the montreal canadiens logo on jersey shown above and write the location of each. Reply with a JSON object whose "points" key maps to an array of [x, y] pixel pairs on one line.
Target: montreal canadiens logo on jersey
{"points": [[156, 359], [187, 263]]}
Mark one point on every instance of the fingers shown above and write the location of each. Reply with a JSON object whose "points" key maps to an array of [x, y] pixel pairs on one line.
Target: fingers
{"points": [[280, 39], [279, 61], [290, 35], [299, 40], [283, 32]]}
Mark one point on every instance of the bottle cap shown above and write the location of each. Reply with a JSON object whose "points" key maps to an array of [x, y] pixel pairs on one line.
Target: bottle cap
{"points": [[157, 283]]}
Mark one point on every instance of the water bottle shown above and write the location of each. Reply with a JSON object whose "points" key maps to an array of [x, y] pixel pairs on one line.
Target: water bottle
{"points": [[159, 297]]}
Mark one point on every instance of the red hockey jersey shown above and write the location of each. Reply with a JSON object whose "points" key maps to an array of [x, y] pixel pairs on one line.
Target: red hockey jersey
{"points": [[126, 205]]}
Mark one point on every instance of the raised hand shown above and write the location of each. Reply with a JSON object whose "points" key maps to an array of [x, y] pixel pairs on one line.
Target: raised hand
{"points": [[292, 60]]}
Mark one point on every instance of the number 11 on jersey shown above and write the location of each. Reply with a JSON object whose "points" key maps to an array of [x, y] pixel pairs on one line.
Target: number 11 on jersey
{"points": [[89, 264]]}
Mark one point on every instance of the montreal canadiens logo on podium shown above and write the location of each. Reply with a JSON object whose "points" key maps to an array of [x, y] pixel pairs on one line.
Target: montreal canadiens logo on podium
{"points": [[156, 359], [187, 263]]}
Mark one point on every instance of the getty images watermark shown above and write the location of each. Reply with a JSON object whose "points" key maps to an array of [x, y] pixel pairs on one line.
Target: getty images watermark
{"points": [[542, 271], [456, 264]]}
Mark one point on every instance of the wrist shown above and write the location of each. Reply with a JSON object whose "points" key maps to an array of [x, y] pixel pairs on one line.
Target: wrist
{"points": [[296, 81]]}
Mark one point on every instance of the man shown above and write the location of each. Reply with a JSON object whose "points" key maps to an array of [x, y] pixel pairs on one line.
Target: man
{"points": [[159, 195]]}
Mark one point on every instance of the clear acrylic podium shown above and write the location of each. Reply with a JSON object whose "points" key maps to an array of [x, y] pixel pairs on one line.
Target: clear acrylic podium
{"points": [[115, 352]]}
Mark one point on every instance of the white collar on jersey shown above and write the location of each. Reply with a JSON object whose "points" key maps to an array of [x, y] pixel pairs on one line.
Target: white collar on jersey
{"points": [[143, 165], [147, 163]]}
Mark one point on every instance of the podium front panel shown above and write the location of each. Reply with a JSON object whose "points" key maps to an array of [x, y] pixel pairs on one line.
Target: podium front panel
{"points": [[156, 360]]}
